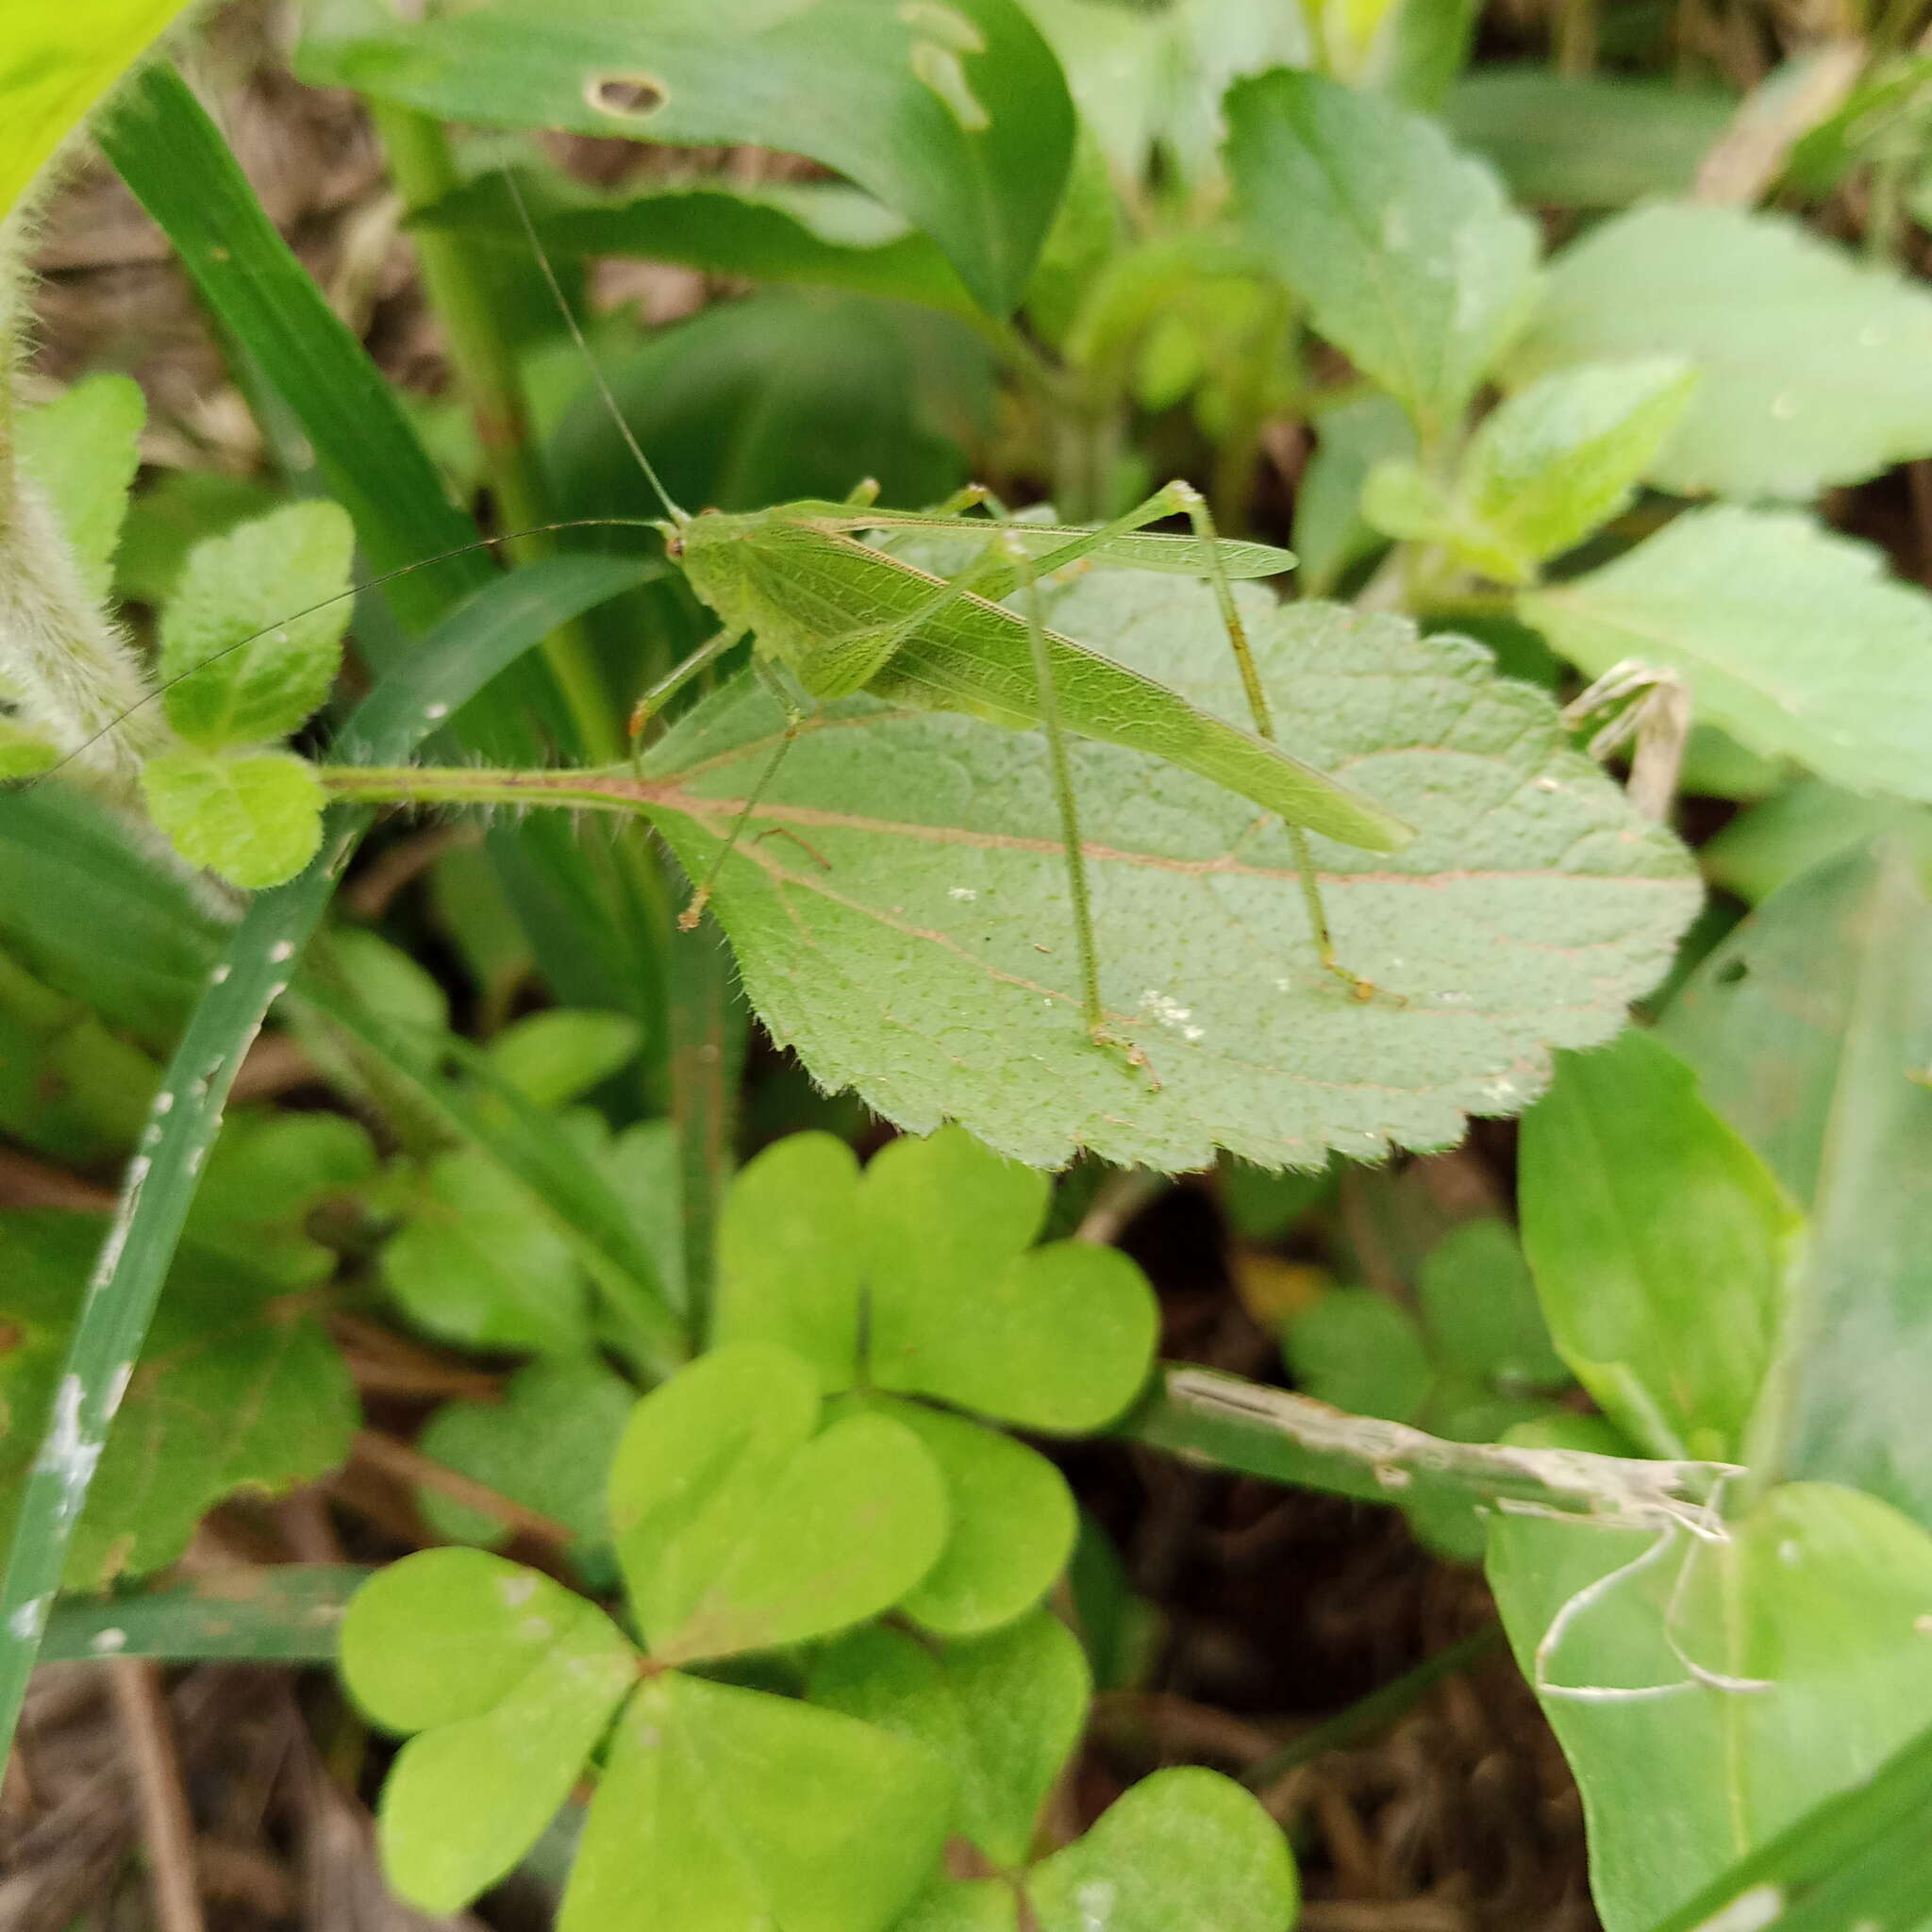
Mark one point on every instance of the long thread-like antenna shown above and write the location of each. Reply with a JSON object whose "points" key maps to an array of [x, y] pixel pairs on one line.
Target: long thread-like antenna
{"points": [[389, 577], [677, 515]]}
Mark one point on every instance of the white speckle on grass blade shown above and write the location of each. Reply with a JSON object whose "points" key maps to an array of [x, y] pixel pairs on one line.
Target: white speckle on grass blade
{"points": [[1522, 919], [108, 1642], [1750, 1911], [29, 1621]]}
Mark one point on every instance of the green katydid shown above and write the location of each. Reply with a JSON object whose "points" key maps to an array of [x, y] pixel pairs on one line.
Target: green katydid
{"points": [[841, 615]]}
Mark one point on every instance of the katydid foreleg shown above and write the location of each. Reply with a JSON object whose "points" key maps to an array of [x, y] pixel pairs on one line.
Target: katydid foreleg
{"points": [[774, 681]]}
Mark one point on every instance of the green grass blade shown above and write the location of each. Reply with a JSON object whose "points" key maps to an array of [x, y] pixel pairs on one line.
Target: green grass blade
{"points": [[286, 1614], [161, 1182], [173, 158], [1222, 1421]]}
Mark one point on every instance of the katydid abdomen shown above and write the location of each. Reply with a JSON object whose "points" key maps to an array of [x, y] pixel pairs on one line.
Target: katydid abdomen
{"points": [[812, 597]]}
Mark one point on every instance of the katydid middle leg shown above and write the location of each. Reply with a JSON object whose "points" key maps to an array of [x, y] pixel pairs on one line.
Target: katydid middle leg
{"points": [[1079, 890]]}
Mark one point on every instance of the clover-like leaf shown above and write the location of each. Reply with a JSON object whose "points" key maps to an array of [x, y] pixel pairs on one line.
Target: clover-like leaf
{"points": [[1479, 1303], [1011, 1523], [789, 1256], [972, 1905], [478, 1262], [265, 670], [740, 1529], [1003, 1711], [1816, 368], [509, 1679], [238, 1387], [910, 936], [1060, 1338], [256, 818], [1735, 601], [1357, 1351], [723, 1809], [1183, 1851], [547, 1444]]}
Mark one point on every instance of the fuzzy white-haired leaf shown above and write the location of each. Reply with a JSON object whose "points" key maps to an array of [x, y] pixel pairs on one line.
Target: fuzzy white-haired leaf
{"points": [[899, 903]]}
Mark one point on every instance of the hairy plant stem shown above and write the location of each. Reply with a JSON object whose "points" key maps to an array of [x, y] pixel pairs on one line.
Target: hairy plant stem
{"points": [[460, 291]]}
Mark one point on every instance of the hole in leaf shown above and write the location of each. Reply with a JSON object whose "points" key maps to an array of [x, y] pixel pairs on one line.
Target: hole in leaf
{"points": [[626, 96]]}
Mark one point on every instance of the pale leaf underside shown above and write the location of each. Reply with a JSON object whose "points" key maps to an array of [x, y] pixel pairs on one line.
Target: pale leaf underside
{"points": [[898, 902]]}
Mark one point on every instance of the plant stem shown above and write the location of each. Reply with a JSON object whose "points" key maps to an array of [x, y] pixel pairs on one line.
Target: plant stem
{"points": [[1372, 1713], [1224, 1423], [460, 291]]}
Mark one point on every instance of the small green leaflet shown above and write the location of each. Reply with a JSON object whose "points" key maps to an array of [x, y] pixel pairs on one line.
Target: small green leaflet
{"points": [[247, 582], [1661, 1246], [509, 1680], [1543, 470], [256, 817], [741, 1526], [82, 449], [1004, 1711], [723, 1809]]}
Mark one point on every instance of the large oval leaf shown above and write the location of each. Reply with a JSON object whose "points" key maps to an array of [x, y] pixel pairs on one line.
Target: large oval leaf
{"points": [[898, 906], [955, 113]]}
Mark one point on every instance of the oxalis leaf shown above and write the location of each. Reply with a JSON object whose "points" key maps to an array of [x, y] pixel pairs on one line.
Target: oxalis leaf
{"points": [[509, 1680], [898, 906]]}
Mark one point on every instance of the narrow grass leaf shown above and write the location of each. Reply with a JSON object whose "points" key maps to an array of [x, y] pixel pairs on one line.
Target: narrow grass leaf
{"points": [[283, 1613]]}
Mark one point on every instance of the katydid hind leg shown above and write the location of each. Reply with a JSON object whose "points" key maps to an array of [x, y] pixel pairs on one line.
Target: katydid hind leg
{"points": [[1202, 517]]}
